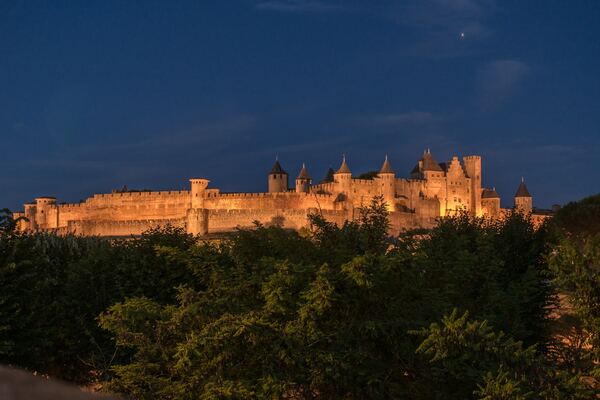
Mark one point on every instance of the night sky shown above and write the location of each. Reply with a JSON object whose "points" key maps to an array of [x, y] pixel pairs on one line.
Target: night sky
{"points": [[98, 94]]}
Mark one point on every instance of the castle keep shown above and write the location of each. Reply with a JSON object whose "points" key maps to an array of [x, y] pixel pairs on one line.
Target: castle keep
{"points": [[433, 190]]}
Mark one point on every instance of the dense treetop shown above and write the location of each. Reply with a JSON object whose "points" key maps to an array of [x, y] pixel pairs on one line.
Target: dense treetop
{"points": [[465, 310], [580, 218]]}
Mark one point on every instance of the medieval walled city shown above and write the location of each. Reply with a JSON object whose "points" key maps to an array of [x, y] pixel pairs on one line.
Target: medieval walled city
{"points": [[433, 190]]}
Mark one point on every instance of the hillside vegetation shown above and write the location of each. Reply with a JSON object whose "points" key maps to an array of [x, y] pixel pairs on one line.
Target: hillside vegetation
{"points": [[580, 218], [466, 310]]}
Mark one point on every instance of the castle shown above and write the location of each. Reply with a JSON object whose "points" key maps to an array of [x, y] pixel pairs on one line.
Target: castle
{"points": [[433, 190]]}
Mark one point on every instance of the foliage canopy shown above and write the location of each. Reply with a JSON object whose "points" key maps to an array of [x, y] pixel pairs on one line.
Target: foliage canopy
{"points": [[460, 311]]}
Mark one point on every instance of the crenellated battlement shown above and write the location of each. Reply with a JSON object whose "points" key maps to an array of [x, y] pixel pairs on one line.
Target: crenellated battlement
{"points": [[290, 194], [154, 222], [329, 187], [142, 194], [433, 190], [411, 180], [368, 182], [71, 205]]}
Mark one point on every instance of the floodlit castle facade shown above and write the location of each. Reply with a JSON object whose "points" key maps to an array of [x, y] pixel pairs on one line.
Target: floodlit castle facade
{"points": [[433, 190]]}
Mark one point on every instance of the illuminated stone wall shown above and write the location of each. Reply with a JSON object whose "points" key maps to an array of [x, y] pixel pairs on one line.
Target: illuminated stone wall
{"points": [[413, 203]]}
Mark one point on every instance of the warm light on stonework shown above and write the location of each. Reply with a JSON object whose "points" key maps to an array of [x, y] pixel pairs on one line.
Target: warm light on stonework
{"points": [[433, 190]]}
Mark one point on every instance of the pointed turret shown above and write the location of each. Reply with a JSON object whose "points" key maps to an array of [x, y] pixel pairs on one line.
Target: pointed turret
{"points": [[343, 178], [522, 190], [490, 203], [303, 180], [489, 194], [386, 168], [344, 169], [426, 164], [303, 173], [523, 200], [387, 179], [277, 169], [278, 178]]}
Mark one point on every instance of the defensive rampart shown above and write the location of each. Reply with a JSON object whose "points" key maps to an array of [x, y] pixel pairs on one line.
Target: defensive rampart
{"points": [[117, 228]]}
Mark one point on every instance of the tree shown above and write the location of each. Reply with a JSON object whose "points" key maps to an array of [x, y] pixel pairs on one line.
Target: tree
{"points": [[575, 264], [467, 357], [6, 220], [144, 268], [54, 287], [580, 218], [277, 314], [494, 270], [330, 312], [368, 234]]}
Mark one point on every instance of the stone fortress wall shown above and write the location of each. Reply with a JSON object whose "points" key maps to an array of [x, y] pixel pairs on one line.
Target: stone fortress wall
{"points": [[433, 190]]}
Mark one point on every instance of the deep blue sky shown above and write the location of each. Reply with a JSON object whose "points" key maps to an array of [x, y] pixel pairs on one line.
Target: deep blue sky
{"points": [[98, 94]]}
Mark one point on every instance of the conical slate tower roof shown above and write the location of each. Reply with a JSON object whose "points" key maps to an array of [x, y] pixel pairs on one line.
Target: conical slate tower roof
{"points": [[522, 190], [429, 163], [303, 173], [277, 168], [386, 168], [490, 194], [344, 169]]}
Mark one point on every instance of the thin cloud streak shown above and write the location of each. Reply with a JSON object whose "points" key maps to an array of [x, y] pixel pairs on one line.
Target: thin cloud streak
{"points": [[408, 118], [499, 80], [297, 6], [207, 135], [208, 138], [444, 28], [448, 15]]}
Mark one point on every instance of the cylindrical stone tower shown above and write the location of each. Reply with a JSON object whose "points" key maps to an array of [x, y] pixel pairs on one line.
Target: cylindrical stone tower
{"points": [[473, 170], [198, 187], [343, 177], [197, 215], [303, 181], [42, 206], [387, 177], [523, 200], [278, 179]]}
